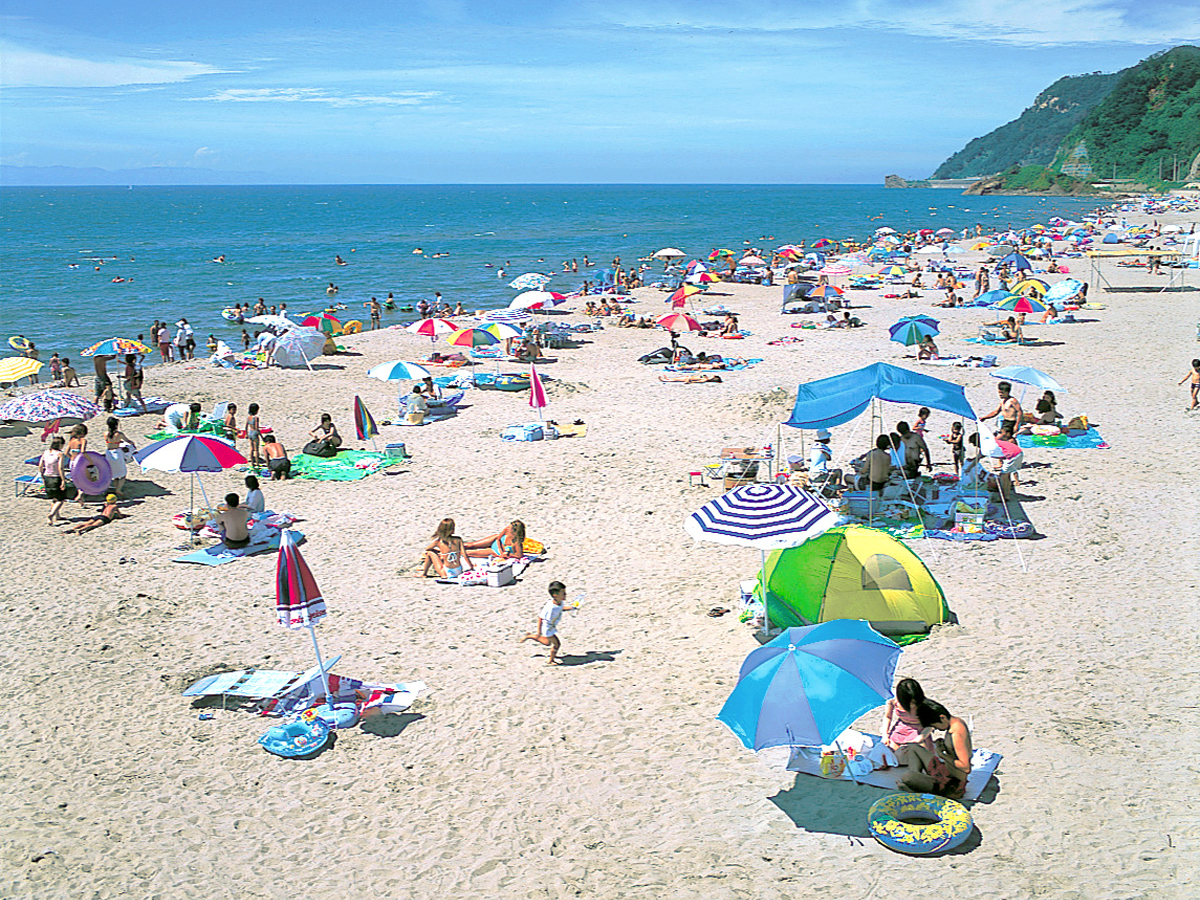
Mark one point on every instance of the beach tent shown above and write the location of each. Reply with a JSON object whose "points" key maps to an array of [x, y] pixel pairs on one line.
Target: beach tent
{"points": [[854, 572], [832, 401]]}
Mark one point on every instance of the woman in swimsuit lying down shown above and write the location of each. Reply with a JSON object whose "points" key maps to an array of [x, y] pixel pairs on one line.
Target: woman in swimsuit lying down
{"points": [[507, 544]]}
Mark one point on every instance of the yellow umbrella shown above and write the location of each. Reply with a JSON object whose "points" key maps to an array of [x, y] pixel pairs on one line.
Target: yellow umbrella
{"points": [[14, 368], [1033, 287]]}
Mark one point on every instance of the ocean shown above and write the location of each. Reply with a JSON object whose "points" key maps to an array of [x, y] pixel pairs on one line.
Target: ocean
{"points": [[64, 248]]}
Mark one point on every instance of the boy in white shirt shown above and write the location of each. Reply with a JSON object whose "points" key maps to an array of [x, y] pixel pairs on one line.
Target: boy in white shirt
{"points": [[548, 618]]}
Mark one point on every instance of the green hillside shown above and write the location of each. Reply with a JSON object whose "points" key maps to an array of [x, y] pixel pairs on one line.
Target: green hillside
{"points": [[1148, 127], [1033, 137]]}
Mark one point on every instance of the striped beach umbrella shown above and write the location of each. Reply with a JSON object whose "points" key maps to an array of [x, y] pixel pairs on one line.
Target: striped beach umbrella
{"points": [[763, 516], [398, 370], [46, 406], [193, 454], [364, 422], [1017, 303], [537, 392], [720, 254], [324, 322], [14, 368], [431, 328], [116, 346], [826, 290], [298, 600], [913, 329], [1031, 287], [536, 300], [472, 337], [503, 330], [679, 322]]}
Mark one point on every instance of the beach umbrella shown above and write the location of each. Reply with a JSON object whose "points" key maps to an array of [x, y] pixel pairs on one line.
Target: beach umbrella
{"points": [[364, 422], [808, 685], [530, 281], [752, 260], [281, 323], [116, 346], [824, 244], [1063, 290], [1030, 376], [703, 278], [834, 270], [763, 516], [884, 229], [472, 337], [537, 392], [431, 328], [399, 370], [826, 290], [944, 231], [1021, 304], [193, 454], [324, 322], [1032, 287], [507, 316], [695, 266], [669, 253], [536, 300], [722, 253], [297, 346], [1017, 261], [14, 368], [913, 329], [298, 602], [679, 322], [46, 406], [893, 271], [503, 330], [680, 297], [995, 296]]}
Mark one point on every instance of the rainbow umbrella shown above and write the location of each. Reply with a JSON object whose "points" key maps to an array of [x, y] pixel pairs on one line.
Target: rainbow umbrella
{"points": [[14, 368], [824, 244], [364, 423], [680, 297], [893, 271], [472, 337], [679, 322], [1032, 287], [502, 330], [324, 322], [1021, 304], [704, 277], [431, 328], [826, 290], [116, 346], [718, 254]]}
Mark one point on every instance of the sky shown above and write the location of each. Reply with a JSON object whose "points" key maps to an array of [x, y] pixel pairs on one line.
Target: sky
{"points": [[538, 91]]}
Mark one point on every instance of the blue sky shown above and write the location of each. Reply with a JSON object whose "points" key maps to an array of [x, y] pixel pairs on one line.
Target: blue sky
{"points": [[447, 91]]}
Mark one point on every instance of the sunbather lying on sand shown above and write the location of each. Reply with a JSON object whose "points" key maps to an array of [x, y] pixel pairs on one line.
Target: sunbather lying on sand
{"points": [[106, 515], [507, 544], [698, 378]]}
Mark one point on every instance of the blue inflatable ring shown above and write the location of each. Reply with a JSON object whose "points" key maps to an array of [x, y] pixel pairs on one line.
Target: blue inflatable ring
{"points": [[298, 739], [919, 824], [79, 470]]}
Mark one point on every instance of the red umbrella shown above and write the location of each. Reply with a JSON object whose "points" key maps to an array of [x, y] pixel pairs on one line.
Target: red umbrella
{"points": [[298, 601], [431, 328], [324, 322], [679, 322]]}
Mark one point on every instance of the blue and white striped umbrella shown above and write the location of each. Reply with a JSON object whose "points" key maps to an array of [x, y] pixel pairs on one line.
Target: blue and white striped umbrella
{"points": [[763, 516], [398, 370]]}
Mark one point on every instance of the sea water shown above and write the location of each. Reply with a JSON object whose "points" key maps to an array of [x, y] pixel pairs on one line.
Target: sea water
{"points": [[66, 249]]}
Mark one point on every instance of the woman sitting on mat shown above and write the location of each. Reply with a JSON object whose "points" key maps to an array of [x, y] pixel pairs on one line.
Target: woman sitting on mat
{"points": [[901, 722], [446, 554], [943, 770], [508, 544]]}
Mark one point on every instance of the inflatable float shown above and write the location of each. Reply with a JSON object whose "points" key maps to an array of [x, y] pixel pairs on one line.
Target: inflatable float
{"points": [[352, 327], [305, 737], [91, 473], [919, 824]]}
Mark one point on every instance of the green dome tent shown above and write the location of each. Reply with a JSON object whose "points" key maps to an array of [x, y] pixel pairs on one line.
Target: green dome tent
{"points": [[853, 572]]}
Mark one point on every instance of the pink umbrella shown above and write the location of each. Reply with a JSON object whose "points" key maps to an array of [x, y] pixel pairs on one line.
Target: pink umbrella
{"points": [[537, 392], [431, 328], [679, 322]]}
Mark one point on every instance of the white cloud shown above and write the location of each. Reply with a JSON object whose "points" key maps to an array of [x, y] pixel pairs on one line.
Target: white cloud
{"points": [[316, 95], [1012, 22], [20, 67]]}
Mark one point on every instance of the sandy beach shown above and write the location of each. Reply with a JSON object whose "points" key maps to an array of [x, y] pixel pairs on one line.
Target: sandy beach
{"points": [[609, 776]]}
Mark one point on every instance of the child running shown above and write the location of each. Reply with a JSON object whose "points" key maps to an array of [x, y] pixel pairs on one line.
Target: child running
{"points": [[1194, 374], [548, 619]]}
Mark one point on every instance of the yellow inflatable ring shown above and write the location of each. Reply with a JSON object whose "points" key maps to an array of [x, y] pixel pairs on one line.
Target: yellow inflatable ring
{"points": [[352, 327], [919, 823]]}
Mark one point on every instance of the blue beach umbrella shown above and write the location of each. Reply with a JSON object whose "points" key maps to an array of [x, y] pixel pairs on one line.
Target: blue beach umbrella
{"points": [[1063, 290], [808, 685], [398, 370], [995, 296], [913, 329]]}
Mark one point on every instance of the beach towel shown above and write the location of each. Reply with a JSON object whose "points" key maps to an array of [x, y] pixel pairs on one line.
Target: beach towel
{"points": [[1088, 440], [386, 697], [220, 554], [348, 465], [153, 405], [869, 750]]}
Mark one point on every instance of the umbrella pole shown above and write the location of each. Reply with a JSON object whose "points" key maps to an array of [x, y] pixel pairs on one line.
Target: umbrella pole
{"points": [[312, 630], [762, 577]]}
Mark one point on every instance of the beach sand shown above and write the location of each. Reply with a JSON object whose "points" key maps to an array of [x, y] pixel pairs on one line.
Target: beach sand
{"points": [[609, 776]]}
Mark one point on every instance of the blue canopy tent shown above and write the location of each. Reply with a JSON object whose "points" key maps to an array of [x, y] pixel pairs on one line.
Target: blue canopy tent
{"points": [[832, 401]]}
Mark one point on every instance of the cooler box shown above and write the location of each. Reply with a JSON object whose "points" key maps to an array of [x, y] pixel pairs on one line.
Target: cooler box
{"points": [[396, 451], [500, 577], [523, 433]]}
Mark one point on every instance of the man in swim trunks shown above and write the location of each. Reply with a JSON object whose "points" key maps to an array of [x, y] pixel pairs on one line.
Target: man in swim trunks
{"points": [[103, 382], [879, 463], [1009, 409], [234, 521]]}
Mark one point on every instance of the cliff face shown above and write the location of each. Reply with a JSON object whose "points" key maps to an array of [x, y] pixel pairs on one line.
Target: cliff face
{"points": [[1033, 137], [1147, 128]]}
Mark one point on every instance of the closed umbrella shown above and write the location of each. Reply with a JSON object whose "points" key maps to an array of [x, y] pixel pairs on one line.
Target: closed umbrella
{"points": [[537, 392], [809, 684], [364, 422], [763, 516]]}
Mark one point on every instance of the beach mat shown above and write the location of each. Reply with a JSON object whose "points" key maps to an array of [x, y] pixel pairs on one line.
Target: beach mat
{"points": [[1088, 440], [219, 554], [343, 467], [566, 431]]}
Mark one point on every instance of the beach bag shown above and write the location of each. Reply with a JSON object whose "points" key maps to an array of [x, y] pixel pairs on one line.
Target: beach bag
{"points": [[659, 356], [322, 448], [1079, 423]]}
